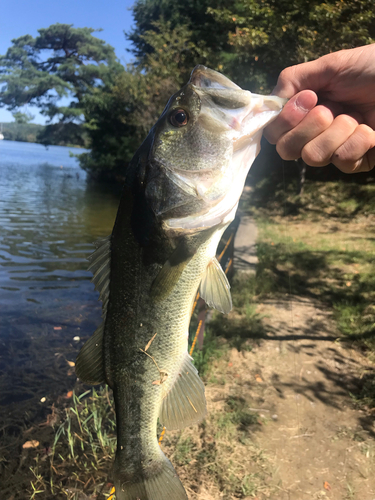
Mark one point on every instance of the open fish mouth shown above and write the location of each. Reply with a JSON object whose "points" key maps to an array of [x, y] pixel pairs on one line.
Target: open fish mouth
{"points": [[238, 117]]}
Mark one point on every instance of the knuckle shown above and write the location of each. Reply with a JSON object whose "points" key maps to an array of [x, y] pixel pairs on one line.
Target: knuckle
{"points": [[314, 155], [323, 117], [346, 122], [366, 134], [287, 150], [285, 75]]}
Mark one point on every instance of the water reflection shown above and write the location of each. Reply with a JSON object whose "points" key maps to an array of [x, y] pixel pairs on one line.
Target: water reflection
{"points": [[49, 217]]}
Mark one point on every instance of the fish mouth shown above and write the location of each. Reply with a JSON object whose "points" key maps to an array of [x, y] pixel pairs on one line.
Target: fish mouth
{"points": [[240, 116], [223, 100]]}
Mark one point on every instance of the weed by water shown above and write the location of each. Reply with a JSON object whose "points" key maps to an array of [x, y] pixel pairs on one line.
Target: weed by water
{"points": [[84, 442]]}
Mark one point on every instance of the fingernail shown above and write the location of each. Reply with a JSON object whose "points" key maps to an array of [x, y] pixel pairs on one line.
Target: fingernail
{"points": [[306, 101]]}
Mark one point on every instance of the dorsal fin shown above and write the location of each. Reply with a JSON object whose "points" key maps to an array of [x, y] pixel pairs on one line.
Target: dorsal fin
{"points": [[89, 364]]}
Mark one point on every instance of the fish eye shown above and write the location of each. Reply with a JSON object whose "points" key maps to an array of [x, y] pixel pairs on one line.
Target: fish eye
{"points": [[179, 118]]}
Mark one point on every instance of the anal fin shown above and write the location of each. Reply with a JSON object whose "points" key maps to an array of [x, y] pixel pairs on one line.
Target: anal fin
{"points": [[215, 288], [185, 403]]}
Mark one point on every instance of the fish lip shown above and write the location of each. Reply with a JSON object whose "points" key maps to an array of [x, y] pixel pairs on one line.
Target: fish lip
{"points": [[205, 78]]}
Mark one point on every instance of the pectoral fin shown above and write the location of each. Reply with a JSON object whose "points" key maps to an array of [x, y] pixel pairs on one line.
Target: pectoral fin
{"points": [[166, 280], [170, 273], [185, 403], [215, 288]]}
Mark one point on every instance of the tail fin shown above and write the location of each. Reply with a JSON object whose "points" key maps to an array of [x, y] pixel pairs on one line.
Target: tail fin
{"points": [[156, 482]]}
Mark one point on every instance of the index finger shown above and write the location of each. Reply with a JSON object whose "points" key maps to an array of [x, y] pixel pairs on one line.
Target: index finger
{"points": [[292, 114], [313, 75]]}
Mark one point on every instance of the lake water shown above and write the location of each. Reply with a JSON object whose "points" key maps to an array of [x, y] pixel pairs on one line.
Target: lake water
{"points": [[49, 217]]}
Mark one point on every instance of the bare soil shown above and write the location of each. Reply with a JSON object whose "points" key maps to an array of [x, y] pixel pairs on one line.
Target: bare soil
{"points": [[321, 444]]}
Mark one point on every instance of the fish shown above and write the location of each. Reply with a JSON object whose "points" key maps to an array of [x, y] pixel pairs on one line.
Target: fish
{"points": [[181, 191]]}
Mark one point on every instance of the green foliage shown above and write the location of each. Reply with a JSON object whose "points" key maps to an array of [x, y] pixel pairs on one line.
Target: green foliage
{"points": [[253, 40], [24, 132], [267, 36], [61, 61], [22, 118], [69, 134]]}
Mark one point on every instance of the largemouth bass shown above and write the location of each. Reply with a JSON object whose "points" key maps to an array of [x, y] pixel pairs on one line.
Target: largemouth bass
{"points": [[181, 191]]}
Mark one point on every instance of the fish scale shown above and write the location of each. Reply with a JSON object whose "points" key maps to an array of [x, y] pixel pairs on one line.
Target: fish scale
{"points": [[181, 191]]}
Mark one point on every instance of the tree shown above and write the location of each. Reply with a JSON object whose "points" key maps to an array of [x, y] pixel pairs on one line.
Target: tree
{"points": [[267, 36], [253, 40], [119, 115], [22, 118], [61, 61]]}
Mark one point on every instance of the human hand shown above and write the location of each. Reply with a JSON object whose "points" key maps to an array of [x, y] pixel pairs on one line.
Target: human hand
{"points": [[340, 129]]}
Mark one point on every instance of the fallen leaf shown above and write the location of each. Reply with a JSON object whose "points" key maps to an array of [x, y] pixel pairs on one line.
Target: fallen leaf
{"points": [[163, 376], [327, 486], [57, 327], [258, 378], [150, 342], [71, 363], [30, 444]]}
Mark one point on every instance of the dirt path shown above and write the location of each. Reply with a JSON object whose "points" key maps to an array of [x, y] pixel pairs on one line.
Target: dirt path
{"points": [[320, 445]]}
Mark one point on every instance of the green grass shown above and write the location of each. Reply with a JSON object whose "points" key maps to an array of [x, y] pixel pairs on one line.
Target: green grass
{"points": [[184, 451], [82, 451]]}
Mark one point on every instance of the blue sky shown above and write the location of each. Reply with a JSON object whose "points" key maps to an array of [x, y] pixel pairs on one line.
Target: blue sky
{"points": [[25, 17]]}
